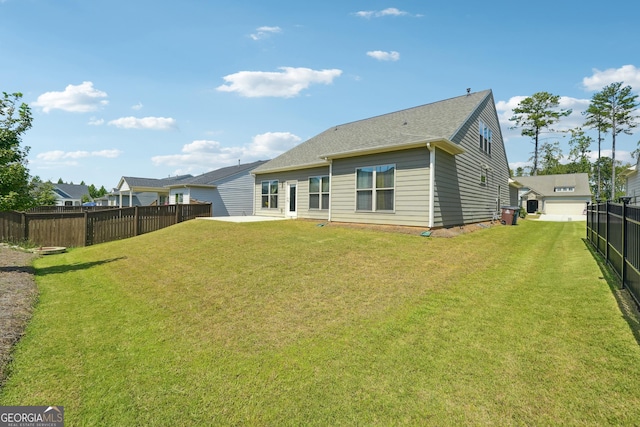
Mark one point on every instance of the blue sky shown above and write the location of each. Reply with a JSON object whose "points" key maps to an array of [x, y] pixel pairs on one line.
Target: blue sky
{"points": [[156, 88]]}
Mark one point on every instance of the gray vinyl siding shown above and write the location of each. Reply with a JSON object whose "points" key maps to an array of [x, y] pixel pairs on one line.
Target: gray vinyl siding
{"points": [[633, 188], [197, 194], [411, 206], [302, 177], [461, 197], [514, 200], [234, 196]]}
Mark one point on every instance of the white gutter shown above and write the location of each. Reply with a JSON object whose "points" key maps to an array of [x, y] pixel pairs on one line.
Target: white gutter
{"points": [[432, 183]]}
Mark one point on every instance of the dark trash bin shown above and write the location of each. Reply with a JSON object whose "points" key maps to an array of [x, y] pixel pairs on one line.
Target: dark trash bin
{"points": [[509, 215]]}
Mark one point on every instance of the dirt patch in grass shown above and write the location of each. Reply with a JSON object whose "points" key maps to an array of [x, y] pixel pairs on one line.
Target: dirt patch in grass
{"points": [[436, 232], [18, 293]]}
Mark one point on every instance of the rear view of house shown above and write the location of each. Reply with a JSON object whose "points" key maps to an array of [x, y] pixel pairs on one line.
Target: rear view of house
{"points": [[436, 165]]}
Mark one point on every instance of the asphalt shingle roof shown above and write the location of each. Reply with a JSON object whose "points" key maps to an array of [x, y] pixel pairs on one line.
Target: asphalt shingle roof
{"points": [[438, 120], [210, 178], [71, 191], [153, 182], [545, 184]]}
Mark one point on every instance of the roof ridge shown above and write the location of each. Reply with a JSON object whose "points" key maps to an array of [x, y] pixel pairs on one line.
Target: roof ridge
{"points": [[410, 108]]}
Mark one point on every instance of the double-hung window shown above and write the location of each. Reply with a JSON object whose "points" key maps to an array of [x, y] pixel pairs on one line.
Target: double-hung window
{"points": [[375, 188], [319, 192], [486, 137], [270, 194]]}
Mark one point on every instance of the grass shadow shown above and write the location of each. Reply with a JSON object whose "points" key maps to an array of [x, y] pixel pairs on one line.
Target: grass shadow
{"points": [[59, 269], [17, 269], [628, 307]]}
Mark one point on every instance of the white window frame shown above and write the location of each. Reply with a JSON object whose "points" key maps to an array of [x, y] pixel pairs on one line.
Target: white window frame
{"points": [[270, 195], [320, 193], [486, 137], [374, 189], [565, 189]]}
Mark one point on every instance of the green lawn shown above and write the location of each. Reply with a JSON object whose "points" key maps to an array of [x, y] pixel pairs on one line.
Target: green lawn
{"points": [[288, 323]]}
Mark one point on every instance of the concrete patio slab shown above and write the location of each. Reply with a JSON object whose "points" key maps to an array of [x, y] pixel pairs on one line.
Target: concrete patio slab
{"points": [[244, 218]]}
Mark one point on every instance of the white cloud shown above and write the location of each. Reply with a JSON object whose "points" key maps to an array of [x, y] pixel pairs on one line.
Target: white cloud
{"points": [[71, 158], [391, 11], [263, 32], [137, 107], [81, 98], [204, 155], [285, 84], [154, 123], [515, 165], [271, 144], [628, 74], [384, 56], [95, 122]]}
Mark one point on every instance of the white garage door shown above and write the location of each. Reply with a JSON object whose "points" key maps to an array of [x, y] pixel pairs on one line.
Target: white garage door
{"points": [[564, 208]]}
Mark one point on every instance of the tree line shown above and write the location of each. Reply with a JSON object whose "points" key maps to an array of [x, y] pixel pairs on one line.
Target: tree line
{"points": [[610, 112]]}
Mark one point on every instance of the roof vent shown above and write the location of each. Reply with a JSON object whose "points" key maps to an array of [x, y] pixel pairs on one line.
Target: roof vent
{"points": [[468, 90]]}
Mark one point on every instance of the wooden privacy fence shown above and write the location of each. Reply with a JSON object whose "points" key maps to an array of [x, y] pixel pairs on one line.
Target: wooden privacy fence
{"points": [[89, 227], [613, 229]]}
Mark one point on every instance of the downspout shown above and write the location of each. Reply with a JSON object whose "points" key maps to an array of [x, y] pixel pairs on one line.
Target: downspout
{"points": [[432, 183], [253, 205], [330, 186]]}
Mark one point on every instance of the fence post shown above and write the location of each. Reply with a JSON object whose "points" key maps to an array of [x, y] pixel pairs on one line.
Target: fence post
{"points": [[135, 221], [606, 229], [623, 273], [597, 220], [86, 228], [25, 226]]}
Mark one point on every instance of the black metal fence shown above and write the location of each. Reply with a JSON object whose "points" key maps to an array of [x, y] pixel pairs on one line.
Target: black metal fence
{"points": [[88, 227], [613, 229]]}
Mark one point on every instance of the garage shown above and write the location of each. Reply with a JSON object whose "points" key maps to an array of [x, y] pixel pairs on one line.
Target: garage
{"points": [[559, 207]]}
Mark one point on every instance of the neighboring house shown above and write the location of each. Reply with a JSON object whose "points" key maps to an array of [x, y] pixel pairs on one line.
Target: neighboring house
{"points": [[115, 199], [134, 191], [229, 189], [70, 194], [632, 183], [437, 165], [514, 192], [566, 194]]}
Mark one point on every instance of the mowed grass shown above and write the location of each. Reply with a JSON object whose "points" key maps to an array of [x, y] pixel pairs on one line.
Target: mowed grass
{"points": [[287, 323]]}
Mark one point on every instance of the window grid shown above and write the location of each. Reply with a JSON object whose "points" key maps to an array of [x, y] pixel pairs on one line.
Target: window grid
{"points": [[486, 137], [375, 188], [319, 192], [269, 194]]}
